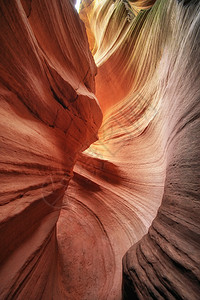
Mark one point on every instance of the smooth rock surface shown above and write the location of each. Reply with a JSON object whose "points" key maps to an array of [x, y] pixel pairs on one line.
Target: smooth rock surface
{"points": [[147, 153], [134, 193], [48, 115]]}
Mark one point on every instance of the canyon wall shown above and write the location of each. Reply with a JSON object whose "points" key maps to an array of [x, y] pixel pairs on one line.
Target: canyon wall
{"points": [[48, 115], [134, 193], [147, 153]]}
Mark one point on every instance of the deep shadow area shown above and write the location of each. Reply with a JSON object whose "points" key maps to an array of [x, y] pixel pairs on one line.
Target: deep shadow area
{"points": [[102, 169], [86, 183]]}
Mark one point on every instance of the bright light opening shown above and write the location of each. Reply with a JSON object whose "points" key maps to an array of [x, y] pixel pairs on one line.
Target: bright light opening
{"points": [[77, 5]]}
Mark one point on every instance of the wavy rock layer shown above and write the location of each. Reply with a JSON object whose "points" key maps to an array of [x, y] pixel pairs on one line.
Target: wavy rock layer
{"points": [[143, 168], [147, 152], [48, 114]]}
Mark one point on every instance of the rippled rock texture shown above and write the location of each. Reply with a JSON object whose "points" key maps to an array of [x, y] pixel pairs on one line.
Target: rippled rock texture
{"points": [[147, 153], [134, 193], [48, 115]]}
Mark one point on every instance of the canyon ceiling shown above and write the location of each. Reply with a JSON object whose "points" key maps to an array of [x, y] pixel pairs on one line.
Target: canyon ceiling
{"points": [[99, 150]]}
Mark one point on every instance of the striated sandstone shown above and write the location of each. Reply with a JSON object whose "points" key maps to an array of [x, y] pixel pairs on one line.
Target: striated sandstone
{"points": [[48, 115], [147, 153], [134, 193]]}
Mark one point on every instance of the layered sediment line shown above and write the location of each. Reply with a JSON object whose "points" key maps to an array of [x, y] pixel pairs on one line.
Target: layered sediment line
{"points": [[147, 86], [134, 193], [48, 115]]}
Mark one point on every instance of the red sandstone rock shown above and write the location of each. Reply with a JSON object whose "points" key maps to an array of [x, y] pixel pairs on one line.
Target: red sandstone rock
{"points": [[144, 149], [60, 244], [48, 114]]}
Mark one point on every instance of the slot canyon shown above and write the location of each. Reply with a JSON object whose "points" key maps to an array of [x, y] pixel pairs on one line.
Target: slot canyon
{"points": [[99, 149]]}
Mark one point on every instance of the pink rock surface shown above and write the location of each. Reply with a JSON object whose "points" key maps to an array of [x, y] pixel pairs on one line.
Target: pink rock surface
{"points": [[48, 114], [147, 152], [69, 213]]}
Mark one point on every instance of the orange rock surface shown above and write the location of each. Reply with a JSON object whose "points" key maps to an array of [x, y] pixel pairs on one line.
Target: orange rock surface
{"points": [[92, 209], [49, 113]]}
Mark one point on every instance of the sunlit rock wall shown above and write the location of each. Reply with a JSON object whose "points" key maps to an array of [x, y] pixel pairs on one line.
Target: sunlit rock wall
{"points": [[48, 114], [59, 244], [148, 88]]}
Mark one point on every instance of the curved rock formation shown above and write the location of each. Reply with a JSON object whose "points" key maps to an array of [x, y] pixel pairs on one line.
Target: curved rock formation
{"points": [[48, 114], [148, 88], [144, 167]]}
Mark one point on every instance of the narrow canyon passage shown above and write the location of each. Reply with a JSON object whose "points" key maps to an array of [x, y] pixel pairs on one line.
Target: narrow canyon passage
{"points": [[99, 149]]}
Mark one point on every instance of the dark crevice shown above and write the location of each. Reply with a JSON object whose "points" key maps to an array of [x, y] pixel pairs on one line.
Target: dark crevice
{"points": [[30, 8], [59, 100], [74, 99]]}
